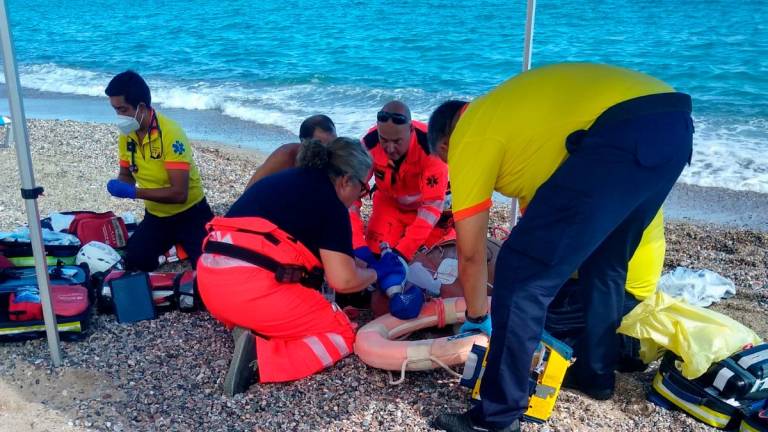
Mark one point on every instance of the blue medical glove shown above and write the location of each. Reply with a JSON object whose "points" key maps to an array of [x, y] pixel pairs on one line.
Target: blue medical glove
{"points": [[484, 326], [364, 253], [390, 272], [121, 189], [407, 305]]}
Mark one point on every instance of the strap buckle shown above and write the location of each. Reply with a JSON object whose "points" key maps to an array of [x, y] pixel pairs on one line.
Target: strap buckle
{"points": [[289, 273], [313, 278]]}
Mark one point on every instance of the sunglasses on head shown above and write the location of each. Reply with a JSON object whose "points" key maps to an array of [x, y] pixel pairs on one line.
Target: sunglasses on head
{"points": [[397, 118]]}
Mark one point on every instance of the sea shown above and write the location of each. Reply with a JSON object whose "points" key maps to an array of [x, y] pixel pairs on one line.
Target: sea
{"points": [[247, 72]]}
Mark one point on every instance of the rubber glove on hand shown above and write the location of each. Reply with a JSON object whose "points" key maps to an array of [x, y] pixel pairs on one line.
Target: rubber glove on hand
{"points": [[390, 271], [484, 326], [121, 189], [364, 253]]}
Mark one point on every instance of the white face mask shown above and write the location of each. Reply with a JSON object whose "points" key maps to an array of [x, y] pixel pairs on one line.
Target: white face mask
{"points": [[128, 124]]}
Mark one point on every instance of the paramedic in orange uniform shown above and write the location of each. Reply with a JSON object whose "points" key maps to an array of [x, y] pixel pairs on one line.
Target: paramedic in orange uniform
{"points": [[410, 187], [263, 266]]}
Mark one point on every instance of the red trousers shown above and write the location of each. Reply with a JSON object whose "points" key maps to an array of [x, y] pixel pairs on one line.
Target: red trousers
{"points": [[298, 332]]}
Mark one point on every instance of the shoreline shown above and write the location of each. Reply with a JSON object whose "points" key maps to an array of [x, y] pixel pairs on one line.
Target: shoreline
{"points": [[700, 205], [167, 374]]}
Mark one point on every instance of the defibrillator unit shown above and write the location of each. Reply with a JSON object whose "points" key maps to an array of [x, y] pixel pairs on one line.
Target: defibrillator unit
{"points": [[548, 366]]}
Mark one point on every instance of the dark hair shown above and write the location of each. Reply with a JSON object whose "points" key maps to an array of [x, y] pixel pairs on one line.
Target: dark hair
{"points": [[308, 126], [440, 121], [131, 86], [342, 156]]}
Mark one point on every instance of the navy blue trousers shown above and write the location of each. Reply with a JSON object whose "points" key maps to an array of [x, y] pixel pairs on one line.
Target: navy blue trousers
{"points": [[566, 321], [588, 216], [155, 235]]}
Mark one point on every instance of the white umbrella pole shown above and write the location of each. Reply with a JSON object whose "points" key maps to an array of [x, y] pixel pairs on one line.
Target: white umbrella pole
{"points": [[28, 190], [527, 50], [528, 43]]}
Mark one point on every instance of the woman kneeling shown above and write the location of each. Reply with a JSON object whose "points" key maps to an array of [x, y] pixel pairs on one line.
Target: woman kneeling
{"points": [[263, 266]]}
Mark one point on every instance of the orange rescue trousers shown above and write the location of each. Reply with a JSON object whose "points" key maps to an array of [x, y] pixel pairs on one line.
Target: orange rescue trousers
{"points": [[298, 332]]}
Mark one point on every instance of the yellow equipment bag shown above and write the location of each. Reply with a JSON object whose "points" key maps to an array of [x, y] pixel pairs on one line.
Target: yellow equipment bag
{"points": [[549, 364], [700, 337]]}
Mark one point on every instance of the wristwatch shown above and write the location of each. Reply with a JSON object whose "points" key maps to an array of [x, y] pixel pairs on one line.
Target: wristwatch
{"points": [[477, 320]]}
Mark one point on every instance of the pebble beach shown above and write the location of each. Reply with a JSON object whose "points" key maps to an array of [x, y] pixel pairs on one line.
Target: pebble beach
{"points": [[167, 374]]}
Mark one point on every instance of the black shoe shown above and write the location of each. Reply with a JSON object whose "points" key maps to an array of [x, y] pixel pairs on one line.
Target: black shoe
{"points": [[242, 369], [571, 382], [463, 422]]}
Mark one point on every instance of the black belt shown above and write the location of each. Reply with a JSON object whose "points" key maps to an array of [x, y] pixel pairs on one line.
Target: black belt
{"points": [[284, 273]]}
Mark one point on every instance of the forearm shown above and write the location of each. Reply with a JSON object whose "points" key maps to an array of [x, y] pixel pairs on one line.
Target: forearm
{"points": [[473, 275], [166, 195], [415, 236], [359, 279], [416, 233]]}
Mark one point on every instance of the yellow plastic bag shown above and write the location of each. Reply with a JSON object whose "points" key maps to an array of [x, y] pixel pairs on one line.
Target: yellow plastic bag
{"points": [[699, 336]]}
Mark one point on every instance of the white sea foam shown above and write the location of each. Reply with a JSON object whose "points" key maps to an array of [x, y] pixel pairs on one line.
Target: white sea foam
{"points": [[728, 152]]}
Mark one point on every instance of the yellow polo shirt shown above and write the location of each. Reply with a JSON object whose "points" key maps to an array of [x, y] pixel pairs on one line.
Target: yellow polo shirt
{"points": [[512, 140], [166, 147], [644, 270]]}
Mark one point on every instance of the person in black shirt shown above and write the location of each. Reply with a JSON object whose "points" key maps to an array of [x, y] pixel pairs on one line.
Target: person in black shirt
{"points": [[261, 265]]}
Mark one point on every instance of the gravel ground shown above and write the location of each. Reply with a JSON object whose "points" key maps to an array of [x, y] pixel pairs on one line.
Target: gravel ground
{"points": [[167, 374]]}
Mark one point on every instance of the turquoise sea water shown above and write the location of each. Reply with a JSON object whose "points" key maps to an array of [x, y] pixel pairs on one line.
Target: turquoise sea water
{"points": [[248, 72]]}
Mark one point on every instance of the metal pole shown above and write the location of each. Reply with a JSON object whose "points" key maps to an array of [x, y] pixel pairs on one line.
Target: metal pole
{"points": [[527, 54], [28, 190], [528, 43]]}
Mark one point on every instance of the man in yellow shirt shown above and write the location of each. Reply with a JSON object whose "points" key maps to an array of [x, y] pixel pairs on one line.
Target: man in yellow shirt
{"points": [[156, 165], [592, 151]]}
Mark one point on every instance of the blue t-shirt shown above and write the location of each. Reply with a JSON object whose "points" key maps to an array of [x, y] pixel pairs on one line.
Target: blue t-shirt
{"points": [[303, 203]]}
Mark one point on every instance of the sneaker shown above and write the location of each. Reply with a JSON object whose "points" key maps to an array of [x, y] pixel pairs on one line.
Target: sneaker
{"points": [[237, 331], [463, 422], [242, 369]]}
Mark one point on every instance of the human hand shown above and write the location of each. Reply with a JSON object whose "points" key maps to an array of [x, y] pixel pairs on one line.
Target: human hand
{"points": [[390, 271], [484, 325], [121, 189]]}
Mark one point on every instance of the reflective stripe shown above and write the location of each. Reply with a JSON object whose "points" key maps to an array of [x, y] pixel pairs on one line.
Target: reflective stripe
{"points": [[220, 261], [320, 352], [408, 199], [434, 203], [751, 359], [708, 416], [722, 378], [339, 343], [428, 216], [746, 427]]}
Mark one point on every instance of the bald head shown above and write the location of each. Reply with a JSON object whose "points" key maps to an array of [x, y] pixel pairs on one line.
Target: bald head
{"points": [[394, 127], [397, 107]]}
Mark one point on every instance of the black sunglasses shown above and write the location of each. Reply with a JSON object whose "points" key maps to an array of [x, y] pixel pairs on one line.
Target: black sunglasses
{"points": [[397, 118]]}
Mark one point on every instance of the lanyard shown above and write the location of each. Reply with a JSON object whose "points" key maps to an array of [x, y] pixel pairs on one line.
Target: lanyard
{"points": [[132, 146]]}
